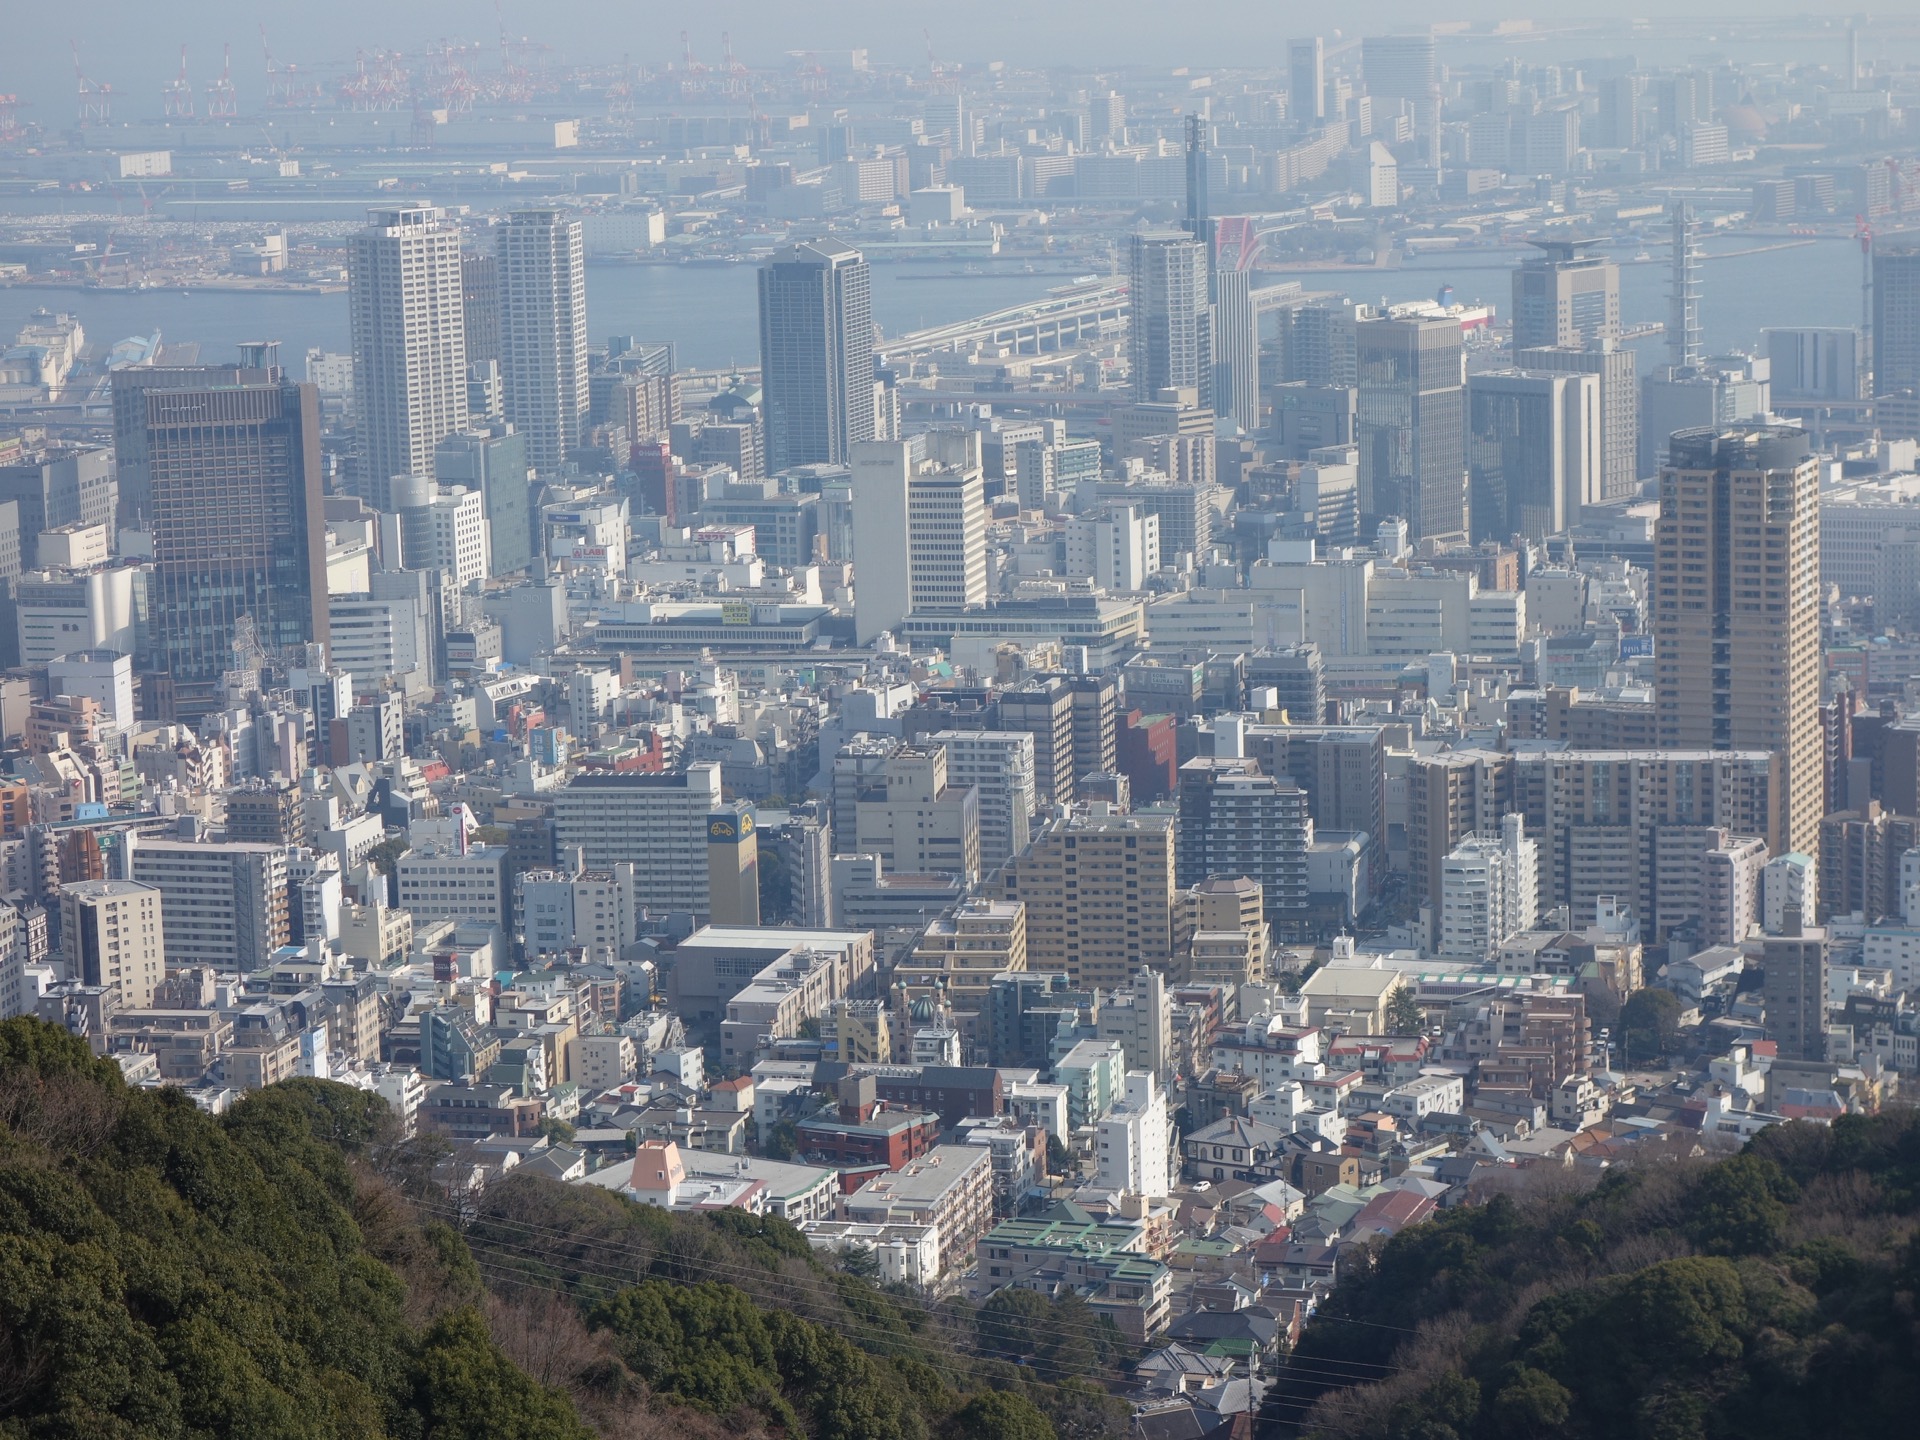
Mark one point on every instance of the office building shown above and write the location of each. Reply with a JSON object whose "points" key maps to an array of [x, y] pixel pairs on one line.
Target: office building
{"points": [[919, 529], [1307, 81], [456, 883], [1236, 348], [1736, 609], [1170, 344], [1412, 423], [222, 905], [1815, 365], [409, 326], [543, 332], [493, 464], [998, 765], [1615, 366], [1405, 70], [1533, 452], [915, 821], [1895, 353], [816, 354], [239, 537], [689, 846], [111, 930], [443, 529], [130, 384], [1236, 821], [1566, 295], [1100, 896], [480, 305]]}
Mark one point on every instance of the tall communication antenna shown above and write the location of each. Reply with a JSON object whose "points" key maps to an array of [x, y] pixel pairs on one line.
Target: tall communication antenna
{"points": [[1683, 329], [1864, 233]]}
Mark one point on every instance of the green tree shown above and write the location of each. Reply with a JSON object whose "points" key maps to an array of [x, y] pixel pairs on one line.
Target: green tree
{"points": [[1000, 1415], [860, 1262], [1650, 1021], [1404, 1015], [1740, 1207], [1012, 1324], [1531, 1405], [466, 1389], [783, 1141], [1059, 1158]]}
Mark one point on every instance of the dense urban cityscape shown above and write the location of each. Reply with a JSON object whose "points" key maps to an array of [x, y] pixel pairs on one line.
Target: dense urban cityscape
{"points": [[845, 744]]}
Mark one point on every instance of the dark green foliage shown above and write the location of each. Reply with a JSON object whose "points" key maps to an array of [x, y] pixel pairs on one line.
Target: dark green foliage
{"points": [[998, 1415], [1771, 1293], [1650, 1020], [167, 1274], [291, 1271]]}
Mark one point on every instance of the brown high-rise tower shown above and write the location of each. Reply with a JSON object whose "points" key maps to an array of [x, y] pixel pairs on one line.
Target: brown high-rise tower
{"points": [[1736, 613]]}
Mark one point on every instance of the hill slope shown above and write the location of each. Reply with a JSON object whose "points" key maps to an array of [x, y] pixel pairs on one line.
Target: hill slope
{"points": [[289, 1271], [1772, 1293]]}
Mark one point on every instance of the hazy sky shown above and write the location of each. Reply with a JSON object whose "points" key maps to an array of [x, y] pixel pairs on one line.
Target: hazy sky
{"points": [[134, 45]]}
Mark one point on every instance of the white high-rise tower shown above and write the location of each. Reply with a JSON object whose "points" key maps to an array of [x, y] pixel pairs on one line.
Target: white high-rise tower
{"points": [[543, 331], [409, 343]]}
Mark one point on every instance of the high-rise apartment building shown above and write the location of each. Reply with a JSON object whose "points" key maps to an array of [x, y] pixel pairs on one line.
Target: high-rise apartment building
{"points": [[1100, 897], [543, 331], [1567, 294], [816, 354], [1170, 343], [238, 529], [1236, 348], [409, 324], [1795, 992], [1533, 452], [111, 930], [1489, 889], [1736, 609], [1043, 708], [1307, 81], [1236, 821], [1412, 424], [915, 820]]}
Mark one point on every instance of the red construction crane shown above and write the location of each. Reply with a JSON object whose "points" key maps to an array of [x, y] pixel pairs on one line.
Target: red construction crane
{"points": [[177, 94], [96, 101], [221, 102]]}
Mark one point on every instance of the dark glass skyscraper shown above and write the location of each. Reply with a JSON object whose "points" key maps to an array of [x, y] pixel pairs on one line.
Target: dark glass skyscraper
{"points": [[1896, 318], [816, 354], [238, 529], [1412, 424]]}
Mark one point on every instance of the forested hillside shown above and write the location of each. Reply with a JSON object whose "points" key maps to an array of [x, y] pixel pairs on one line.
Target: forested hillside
{"points": [[292, 1270], [1770, 1294]]}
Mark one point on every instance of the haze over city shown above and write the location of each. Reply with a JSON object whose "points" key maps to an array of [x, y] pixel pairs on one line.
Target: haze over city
{"points": [[906, 722]]}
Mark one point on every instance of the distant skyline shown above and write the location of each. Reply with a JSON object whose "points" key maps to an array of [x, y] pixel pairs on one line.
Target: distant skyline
{"points": [[134, 45]]}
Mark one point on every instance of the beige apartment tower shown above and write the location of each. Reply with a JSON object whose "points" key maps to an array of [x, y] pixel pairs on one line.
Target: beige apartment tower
{"points": [[112, 933], [1736, 614], [1100, 897]]}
